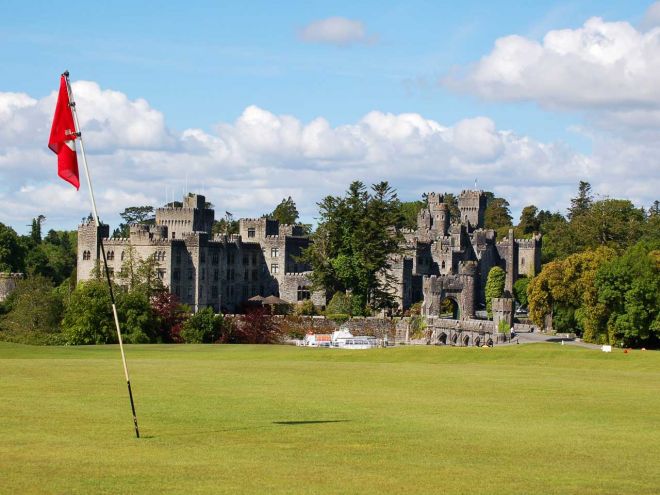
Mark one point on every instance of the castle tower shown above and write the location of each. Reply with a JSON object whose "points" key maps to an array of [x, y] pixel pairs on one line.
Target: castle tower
{"points": [[193, 216], [89, 249], [473, 207]]}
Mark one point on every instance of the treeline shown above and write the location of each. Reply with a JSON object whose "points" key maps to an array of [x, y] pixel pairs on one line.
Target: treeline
{"points": [[602, 278]]}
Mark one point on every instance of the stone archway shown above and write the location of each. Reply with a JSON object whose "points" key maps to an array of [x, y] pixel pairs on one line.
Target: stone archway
{"points": [[442, 338], [465, 340], [450, 309]]}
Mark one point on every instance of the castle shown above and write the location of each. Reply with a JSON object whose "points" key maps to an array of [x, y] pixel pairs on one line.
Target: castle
{"points": [[449, 258], [204, 270], [444, 258]]}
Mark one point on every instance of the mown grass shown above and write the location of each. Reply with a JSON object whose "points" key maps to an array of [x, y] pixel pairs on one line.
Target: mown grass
{"points": [[523, 419]]}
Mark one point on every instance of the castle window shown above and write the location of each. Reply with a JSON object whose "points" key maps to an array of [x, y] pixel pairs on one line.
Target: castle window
{"points": [[86, 255], [255, 275], [173, 235], [215, 258], [178, 257], [303, 293], [443, 265], [246, 274], [274, 252], [254, 259], [161, 274], [245, 259], [252, 232], [111, 255], [522, 261], [274, 268], [122, 256], [176, 275]]}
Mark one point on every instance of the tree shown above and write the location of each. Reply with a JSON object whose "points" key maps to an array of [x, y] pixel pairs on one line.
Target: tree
{"points": [[529, 221], [409, 212], [88, 316], [12, 250], [452, 203], [204, 327], [35, 231], [497, 214], [581, 203], [494, 287], [566, 289], [255, 327], [170, 315], [138, 321], [520, 291], [286, 212], [353, 244], [35, 309], [225, 226], [629, 288], [134, 215]]}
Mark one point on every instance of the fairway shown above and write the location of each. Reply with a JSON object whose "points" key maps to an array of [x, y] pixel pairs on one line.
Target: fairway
{"points": [[522, 419]]}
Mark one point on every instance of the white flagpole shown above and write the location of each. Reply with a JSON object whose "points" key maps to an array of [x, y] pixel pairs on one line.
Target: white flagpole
{"points": [[72, 104]]}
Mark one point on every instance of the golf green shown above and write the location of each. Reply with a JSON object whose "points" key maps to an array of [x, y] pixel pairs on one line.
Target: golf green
{"points": [[539, 418]]}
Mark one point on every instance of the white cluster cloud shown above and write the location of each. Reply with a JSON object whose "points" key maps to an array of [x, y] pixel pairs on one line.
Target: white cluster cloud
{"points": [[249, 165], [599, 65], [335, 31]]}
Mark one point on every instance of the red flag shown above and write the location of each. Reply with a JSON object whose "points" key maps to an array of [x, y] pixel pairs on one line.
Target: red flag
{"points": [[62, 137]]}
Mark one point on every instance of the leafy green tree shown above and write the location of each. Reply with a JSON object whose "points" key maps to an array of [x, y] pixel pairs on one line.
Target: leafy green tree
{"points": [[226, 225], [566, 289], [88, 315], [529, 221], [204, 327], [134, 215], [34, 310], [582, 202], [409, 212], [494, 287], [520, 291], [354, 242], [629, 288], [285, 212], [35, 231], [12, 250], [138, 322], [340, 304], [497, 215]]}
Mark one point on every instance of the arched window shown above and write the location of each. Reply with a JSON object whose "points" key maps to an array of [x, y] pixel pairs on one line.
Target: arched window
{"points": [[443, 265], [111, 255], [86, 255], [122, 255], [522, 261]]}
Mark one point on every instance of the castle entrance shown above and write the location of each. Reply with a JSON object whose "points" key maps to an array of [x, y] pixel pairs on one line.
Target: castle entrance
{"points": [[449, 309]]}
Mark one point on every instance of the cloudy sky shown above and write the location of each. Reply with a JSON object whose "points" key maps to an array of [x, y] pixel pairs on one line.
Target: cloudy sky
{"points": [[250, 102]]}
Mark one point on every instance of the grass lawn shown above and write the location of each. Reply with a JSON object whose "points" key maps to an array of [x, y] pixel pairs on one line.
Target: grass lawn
{"points": [[525, 419]]}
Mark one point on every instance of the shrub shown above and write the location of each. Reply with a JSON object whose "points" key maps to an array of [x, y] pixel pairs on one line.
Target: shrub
{"points": [[203, 327], [305, 308], [503, 327]]}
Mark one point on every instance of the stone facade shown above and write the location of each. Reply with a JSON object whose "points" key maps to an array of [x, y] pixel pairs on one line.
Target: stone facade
{"points": [[8, 283], [204, 270], [451, 257]]}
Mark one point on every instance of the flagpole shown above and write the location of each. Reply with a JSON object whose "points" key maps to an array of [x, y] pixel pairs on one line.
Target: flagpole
{"points": [[72, 104]]}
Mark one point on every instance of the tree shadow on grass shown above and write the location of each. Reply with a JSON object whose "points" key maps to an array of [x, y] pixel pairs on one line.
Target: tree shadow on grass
{"points": [[310, 422]]}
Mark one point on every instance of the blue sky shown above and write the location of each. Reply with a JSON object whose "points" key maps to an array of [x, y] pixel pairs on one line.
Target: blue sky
{"points": [[200, 65]]}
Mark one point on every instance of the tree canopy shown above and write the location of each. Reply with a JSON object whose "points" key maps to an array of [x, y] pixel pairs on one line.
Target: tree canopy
{"points": [[353, 244]]}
